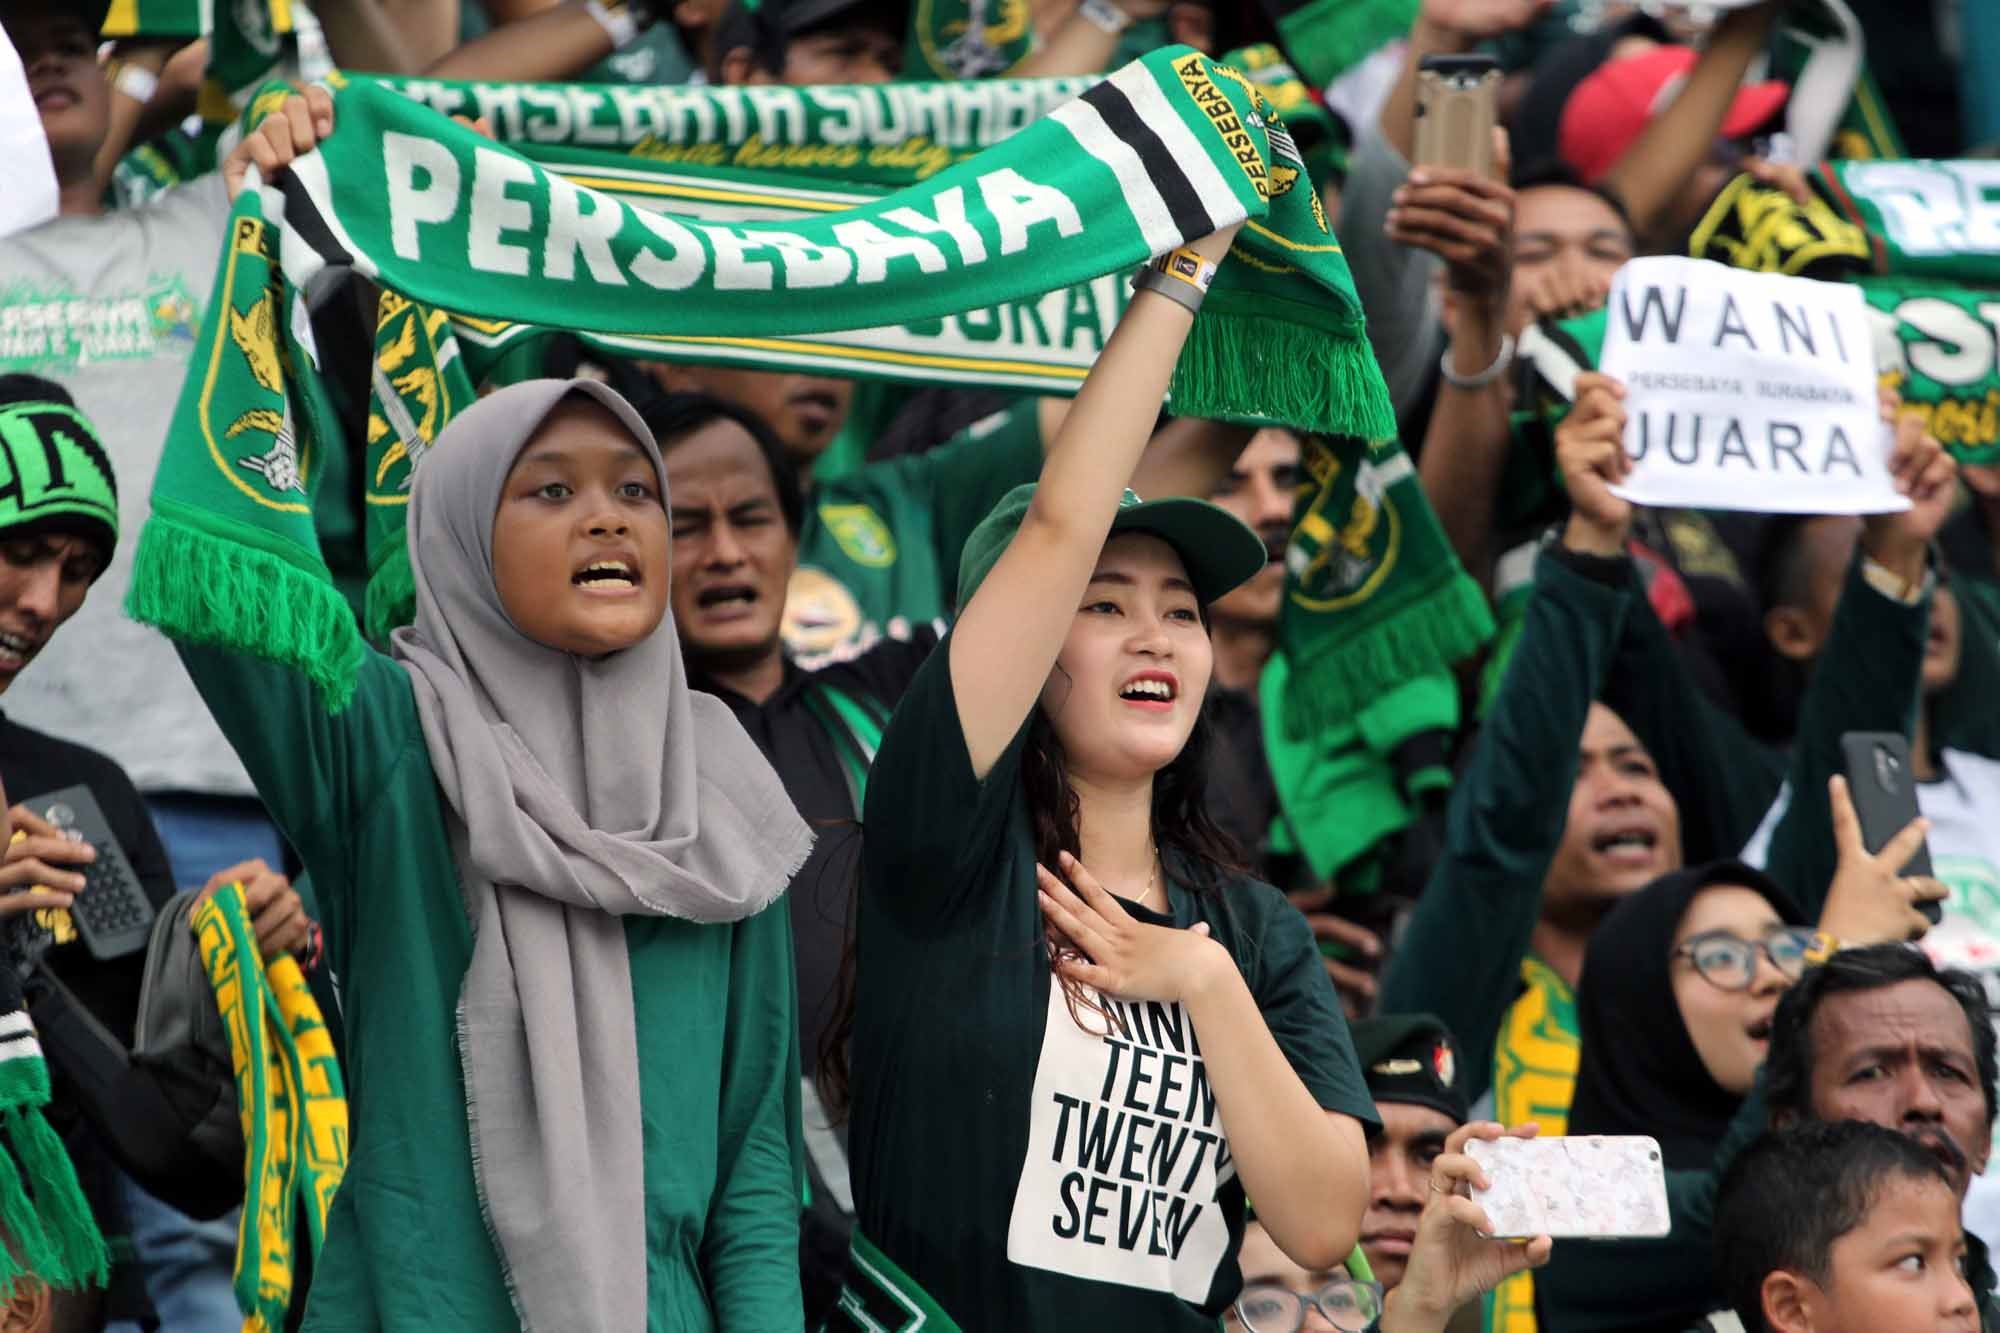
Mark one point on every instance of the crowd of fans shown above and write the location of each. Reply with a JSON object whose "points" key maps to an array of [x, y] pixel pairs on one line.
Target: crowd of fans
{"points": [[1059, 883]]}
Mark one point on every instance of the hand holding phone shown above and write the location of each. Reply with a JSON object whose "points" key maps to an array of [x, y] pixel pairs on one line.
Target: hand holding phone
{"points": [[1590, 1185], [1883, 888]]}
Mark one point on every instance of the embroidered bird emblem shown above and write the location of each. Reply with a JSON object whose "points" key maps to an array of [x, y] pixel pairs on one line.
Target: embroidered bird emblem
{"points": [[255, 333]]}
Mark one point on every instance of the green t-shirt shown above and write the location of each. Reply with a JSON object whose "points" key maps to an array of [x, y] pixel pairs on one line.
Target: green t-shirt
{"points": [[878, 553], [1026, 1172], [714, 1008]]}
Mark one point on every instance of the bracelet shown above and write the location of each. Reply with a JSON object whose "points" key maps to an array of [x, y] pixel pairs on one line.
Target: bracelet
{"points": [[618, 22], [313, 950], [1105, 16], [1484, 377], [1822, 947], [136, 82], [1150, 279]]}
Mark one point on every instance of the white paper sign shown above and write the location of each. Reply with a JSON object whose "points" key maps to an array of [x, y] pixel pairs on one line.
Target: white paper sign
{"points": [[30, 196], [1746, 391]]}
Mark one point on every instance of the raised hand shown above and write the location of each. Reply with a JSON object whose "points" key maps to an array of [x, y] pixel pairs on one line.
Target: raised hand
{"points": [[1464, 219], [284, 136], [1453, 1260], [1478, 20], [1119, 954], [1590, 452], [1871, 900], [1927, 474]]}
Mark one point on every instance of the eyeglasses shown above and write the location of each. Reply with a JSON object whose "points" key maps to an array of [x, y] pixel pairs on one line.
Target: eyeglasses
{"points": [[1730, 961], [1350, 1306]]}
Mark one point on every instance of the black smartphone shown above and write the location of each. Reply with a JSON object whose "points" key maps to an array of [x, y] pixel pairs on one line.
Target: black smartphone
{"points": [[1885, 797]]}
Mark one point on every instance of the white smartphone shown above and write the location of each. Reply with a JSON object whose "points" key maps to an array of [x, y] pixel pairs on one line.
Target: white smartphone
{"points": [[1580, 1186]]}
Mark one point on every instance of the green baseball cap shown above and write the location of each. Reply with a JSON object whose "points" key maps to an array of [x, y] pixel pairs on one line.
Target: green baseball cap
{"points": [[1219, 549]]}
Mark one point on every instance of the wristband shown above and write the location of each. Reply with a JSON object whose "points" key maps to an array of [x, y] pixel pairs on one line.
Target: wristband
{"points": [[1150, 279], [1105, 16], [136, 82], [313, 950], [617, 20], [1484, 377], [1185, 265], [1823, 947]]}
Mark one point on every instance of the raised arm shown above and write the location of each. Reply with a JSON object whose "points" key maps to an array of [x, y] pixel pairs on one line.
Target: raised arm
{"points": [[1461, 956], [1657, 168], [1008, 635], [556, 44]]}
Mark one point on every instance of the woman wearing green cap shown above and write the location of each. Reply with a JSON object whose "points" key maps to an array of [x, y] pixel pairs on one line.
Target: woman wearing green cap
{"points": [[1080, 1033]]}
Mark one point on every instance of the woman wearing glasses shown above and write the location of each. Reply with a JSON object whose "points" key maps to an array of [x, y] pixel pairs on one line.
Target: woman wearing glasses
{"points": [[1724, 942]]}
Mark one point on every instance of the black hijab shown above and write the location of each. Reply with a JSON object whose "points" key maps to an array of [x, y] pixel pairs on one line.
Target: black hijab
{"points": [[1639, 1072]]}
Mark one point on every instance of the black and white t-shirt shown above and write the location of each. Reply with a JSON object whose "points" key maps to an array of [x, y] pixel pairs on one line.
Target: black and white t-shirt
{"points": [[1029, 1168]]}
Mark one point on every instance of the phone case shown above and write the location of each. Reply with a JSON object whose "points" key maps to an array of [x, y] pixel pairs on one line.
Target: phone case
{"points": [[1456, 102], [1591, 1185], [1884, 791]]}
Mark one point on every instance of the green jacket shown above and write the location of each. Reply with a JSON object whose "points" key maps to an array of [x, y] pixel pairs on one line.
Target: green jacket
{"points": [[406, 1247]]}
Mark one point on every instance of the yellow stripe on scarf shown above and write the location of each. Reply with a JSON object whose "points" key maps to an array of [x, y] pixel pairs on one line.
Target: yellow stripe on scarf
{"points": [[291, 1098], [1534, 1075]]}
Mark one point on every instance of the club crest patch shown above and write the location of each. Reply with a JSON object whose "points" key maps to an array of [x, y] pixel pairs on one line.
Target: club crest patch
{"points": [[1347, 541], [860, 533]]}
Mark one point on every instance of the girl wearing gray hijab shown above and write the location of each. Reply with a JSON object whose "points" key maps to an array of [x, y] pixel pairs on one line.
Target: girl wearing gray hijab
{"points": [[543, 864]]}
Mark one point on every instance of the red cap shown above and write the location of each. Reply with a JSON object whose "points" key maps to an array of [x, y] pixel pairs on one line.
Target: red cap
{"points": [[1610, 107]]}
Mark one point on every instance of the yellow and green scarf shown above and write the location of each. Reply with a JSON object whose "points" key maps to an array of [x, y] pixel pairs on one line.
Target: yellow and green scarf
{"points": [[292, 1100]]}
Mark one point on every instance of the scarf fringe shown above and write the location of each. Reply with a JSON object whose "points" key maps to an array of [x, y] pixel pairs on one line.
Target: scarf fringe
{"points": [[392, 595], [207, 589], [1326, 38], [1245, 366], [58, 1237], [1328, 688]]}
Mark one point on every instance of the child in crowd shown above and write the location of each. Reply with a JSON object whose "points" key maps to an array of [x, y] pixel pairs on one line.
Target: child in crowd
{"points": [[1842, 1227]]}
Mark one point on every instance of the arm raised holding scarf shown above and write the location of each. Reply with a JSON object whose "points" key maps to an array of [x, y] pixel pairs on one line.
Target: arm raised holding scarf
{"points": [[1020, 645]]}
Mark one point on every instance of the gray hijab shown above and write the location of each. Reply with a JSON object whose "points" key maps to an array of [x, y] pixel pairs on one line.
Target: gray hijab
{"points": [[582, 791]]}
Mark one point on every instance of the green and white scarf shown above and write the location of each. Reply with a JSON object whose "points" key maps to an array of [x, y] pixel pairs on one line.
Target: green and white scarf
{"points": [[1167, 150], [49, 1232]]}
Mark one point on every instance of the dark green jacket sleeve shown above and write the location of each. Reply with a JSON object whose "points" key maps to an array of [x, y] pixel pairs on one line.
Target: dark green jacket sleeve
{"points": [[317, 772], [1723, 779], [1461, 955], [1668, 1281], [750, 1249], [1865, 679], [1964, 716]]}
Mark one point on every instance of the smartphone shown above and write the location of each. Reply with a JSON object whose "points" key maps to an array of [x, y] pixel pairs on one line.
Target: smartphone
{"points": [[1885, 797], [1456, 101], [1586, 1185]]}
